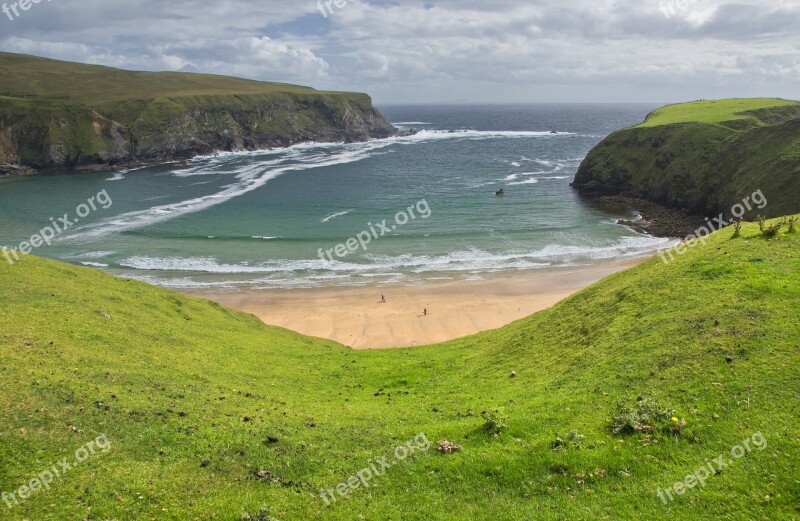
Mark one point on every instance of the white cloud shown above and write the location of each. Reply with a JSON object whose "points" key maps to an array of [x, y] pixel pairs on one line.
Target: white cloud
{"points": [[439, 50]]}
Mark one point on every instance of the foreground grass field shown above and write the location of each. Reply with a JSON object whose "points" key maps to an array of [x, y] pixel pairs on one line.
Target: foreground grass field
{"points": [[211, 415]]}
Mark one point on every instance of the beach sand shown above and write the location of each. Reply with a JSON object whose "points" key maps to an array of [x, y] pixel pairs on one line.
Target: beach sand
{"points": [[354, 316]]}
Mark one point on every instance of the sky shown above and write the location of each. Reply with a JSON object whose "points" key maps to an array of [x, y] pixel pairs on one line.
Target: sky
{"points": [[438, 51]]}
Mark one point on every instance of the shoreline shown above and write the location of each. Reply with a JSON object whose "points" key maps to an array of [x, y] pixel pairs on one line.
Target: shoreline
{"points": [[8, 170], [355, 316], [658, 220]]}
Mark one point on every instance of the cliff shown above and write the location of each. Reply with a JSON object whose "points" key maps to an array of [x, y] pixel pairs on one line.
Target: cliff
{"points": [[64, 116], [703, 157]]}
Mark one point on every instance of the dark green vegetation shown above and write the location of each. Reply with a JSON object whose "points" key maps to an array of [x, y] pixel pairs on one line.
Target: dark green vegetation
{"points": [[212, 415], [704, 156], [57, 114]]}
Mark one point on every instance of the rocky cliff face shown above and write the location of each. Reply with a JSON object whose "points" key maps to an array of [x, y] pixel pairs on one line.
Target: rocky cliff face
{"points": [[52, 135]]}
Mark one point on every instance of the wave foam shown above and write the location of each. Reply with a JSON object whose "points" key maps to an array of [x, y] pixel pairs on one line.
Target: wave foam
{"points": [[470, 260], [335, 215], [93, 255], [433, 135], [249, 178]]}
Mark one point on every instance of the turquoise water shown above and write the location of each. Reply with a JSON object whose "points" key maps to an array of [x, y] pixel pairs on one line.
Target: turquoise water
{"points": [[261, 219]]}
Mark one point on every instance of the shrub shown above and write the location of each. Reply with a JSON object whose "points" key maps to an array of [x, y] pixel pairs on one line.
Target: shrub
{"points": [[791, 221], [737, 229], [677, 425], [572, 440], [769, 231], [647, 417], [495, 420]]}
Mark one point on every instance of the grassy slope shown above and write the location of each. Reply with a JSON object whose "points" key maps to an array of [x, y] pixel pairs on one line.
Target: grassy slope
{"points": [[656, 331], [705, 156], [714, 112], [127, 95], [27, 76]]}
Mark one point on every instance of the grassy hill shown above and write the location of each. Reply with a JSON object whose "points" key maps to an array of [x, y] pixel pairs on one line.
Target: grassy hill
{"points": [[212, 415], [715, 112], [56, 114], [704, 156], [26, 76]]}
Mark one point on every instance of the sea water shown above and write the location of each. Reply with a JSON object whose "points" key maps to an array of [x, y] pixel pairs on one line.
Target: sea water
{"points": [[260, 219]]}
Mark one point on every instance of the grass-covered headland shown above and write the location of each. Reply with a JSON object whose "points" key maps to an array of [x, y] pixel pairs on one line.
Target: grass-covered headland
{"points": [[596, 409], [62, 115], [703, 156]]}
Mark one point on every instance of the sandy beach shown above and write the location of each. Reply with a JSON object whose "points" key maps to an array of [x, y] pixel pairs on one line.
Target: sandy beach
{"points": [[356, 317]]}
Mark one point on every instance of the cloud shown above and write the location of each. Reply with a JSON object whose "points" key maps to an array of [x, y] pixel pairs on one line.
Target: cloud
{"points": [[442, 50]]}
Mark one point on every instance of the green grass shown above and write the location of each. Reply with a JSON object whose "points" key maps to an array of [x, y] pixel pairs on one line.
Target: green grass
{"points": [[712, 336], [714, 112], [27, 76], [131, 96]]}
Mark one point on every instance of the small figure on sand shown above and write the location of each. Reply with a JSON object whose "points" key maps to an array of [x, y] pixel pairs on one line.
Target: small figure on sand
{"points": [[425, 312], [383, 299]]}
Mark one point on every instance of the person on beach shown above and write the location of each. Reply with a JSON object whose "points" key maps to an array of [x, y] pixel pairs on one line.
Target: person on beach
{"points": [[383, 299], [425, 312]]}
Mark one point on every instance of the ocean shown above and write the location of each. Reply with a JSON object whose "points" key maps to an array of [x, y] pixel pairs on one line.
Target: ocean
{"points": [[301, 216]]}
